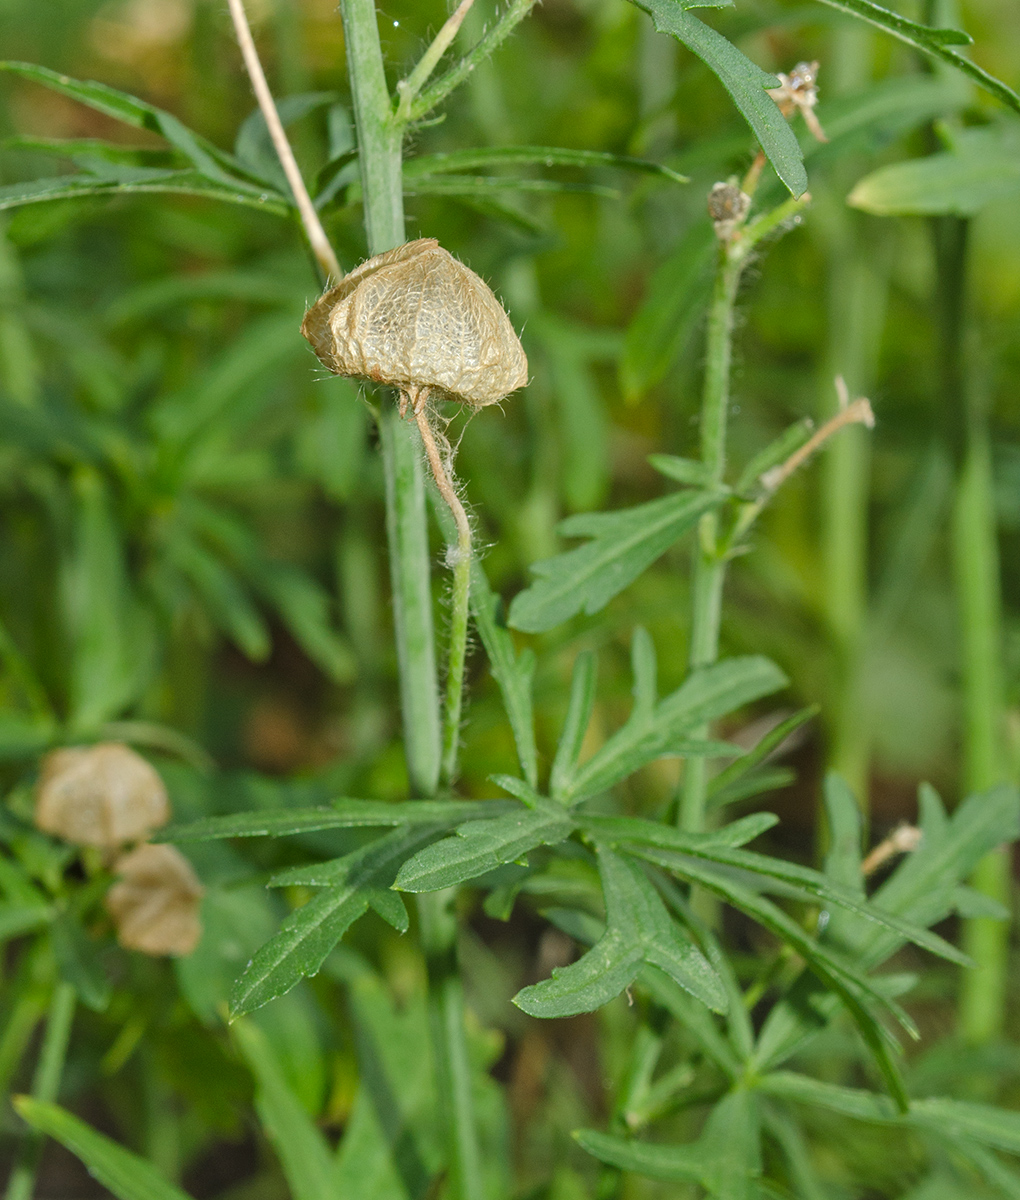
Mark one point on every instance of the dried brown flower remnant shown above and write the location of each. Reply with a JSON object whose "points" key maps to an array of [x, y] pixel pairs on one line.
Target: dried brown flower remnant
{"points": [[417, 319], [155, 905], [102, 795], [799, 93], [727, 206]]}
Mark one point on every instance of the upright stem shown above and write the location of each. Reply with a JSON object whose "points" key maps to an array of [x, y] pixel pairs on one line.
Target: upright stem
{"points": [[709, 561], [975, 554], [379, 153], [45, 1086], [976, 569], [379, 143], [453, 1067], [460, 598]]}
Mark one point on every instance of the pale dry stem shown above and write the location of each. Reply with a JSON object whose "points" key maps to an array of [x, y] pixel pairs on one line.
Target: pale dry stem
{"points": [[902, 840], [857, 413], [439, 465], [316, 235]]}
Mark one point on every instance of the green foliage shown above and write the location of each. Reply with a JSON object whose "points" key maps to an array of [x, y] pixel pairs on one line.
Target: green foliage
{"points": [[127, 1175], [638, 931], [980, 166]]}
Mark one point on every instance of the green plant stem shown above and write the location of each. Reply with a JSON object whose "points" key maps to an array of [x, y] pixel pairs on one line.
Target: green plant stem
{"points": [[379, 141], [709, 561], [438, 924], [460, 596], [982, 1001], [712, 552], [379, 147], [45, 1086], [857, 293], [975, 553]]}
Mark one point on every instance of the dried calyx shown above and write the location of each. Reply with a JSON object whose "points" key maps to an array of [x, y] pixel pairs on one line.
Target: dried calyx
{"points": [[420, 321], [799, 93], [104, 795], [417, 319], [155, 905]]}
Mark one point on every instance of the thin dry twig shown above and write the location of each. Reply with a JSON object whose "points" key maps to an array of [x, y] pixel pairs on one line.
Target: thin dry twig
{"points": [[317, 239], [857, 413], [903, 840], [419, 406]]}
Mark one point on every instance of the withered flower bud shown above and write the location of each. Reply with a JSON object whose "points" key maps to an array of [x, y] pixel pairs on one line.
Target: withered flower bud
{"points": [[798, 92], [102, 795], [417, 319], [155, 905], [727, 206]]}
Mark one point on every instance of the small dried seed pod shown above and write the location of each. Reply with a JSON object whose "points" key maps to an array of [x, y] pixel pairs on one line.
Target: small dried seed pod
{"points": [[155, 905], [727, 206], [102, 795], [417, 319]]}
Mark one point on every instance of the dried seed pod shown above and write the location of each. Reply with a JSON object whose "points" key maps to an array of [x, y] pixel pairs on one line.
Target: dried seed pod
{"points": [[155, 905], [419, 320], [102, 795], [727, 206]]}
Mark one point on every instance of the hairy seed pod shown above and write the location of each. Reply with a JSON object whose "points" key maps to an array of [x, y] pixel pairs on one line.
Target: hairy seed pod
{"points": [[417, 319], [155, 905], [102, 795]]}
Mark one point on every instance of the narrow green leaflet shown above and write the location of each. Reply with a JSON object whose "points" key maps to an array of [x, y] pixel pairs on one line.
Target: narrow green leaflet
{"points": [[623, 544], [980, 168], [304, 1155], [639, 930], [311, 932], [16, 920], [854, 988], [543, 156], [660, 329], [922, 890], [997, 1127], [341, 814], [849, 1102], [482, 846], [657, 729], [575, 726], [206, 157], [126, 1175], [181, 183], [746, 83], [936, 42], [512, 671], [984, 1123], [632, 831], [722, 782], [725, 1160]]}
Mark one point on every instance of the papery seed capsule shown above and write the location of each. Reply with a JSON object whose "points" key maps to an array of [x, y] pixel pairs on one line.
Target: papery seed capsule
{"points": [[102, 795], [417, 319], [156, 903]]}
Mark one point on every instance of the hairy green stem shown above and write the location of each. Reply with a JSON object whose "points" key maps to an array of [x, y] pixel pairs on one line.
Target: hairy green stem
{"points": [[460, 596], [709, 561], [379, 152], [45, 1086], [712, 551], [379, 142]]}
